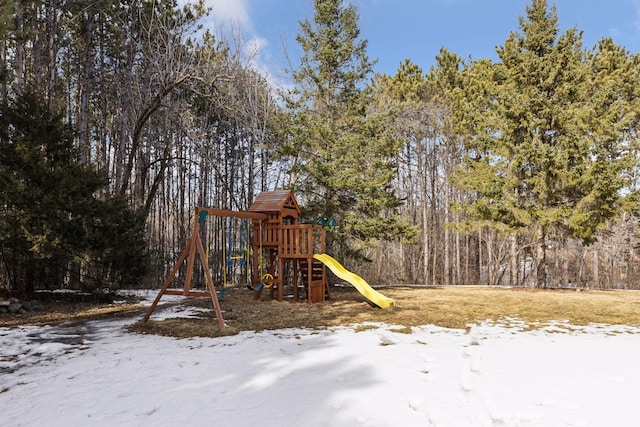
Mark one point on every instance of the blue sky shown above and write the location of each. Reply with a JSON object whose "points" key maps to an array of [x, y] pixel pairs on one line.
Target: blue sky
{"points": [[417, 29]]}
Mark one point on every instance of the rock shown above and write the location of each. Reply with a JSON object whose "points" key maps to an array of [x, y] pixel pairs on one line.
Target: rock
{"points": [[14, 307]]}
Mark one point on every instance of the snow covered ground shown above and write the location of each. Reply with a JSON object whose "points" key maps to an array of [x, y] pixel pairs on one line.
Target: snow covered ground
{"points": [[99, 374]]}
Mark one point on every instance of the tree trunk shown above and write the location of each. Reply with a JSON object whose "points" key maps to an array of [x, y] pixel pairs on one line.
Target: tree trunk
{"points": [[425, 245], [467, 259], [565, 266], [596, 270], [458, 264], [52, 53], [446, 280], [490, 257], [513, 273], [480, 267], [121, 148], [85, 89], [19, 61], [541, 261]]}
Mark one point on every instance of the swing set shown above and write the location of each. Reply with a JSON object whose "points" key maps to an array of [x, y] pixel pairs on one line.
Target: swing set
{"points": [[282, 252], [236, 266]]}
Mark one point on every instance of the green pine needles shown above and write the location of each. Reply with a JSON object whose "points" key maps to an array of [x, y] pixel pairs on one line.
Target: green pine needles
{"points": [[341, 151], [547, 133], [56, 224]]}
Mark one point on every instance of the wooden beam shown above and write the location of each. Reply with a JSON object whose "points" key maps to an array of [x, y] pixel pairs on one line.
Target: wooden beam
{"points": [[230, 213], [188, 294]]}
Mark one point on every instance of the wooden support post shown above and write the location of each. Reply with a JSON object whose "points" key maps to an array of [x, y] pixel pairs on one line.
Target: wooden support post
{"points": [[212, 291], [280, 278], [296, 291], [192, 255], [257, 256], [309, 278], [325, 282], [166, 283]]}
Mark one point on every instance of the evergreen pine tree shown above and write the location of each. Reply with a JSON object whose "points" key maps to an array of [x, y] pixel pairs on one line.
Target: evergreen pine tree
{"points": [[540, 155], [342, 154], [51, 218]]}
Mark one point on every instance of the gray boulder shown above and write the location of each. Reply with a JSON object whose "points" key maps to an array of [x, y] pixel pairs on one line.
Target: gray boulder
{"points": [[36, 306], [14, 307]]}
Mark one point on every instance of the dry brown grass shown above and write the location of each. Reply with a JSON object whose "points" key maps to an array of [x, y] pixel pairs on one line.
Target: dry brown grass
{"points": [[57, 313], [451, 307]]}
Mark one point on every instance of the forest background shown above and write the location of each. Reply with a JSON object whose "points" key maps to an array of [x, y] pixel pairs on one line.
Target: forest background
{"points": [[119, 118]]}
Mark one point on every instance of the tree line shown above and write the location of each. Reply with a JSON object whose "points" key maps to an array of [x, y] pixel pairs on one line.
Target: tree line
{"points": [[118, 118]]}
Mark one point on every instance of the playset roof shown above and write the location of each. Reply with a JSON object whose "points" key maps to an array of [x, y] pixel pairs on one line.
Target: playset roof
{"points": [[275, 201]]}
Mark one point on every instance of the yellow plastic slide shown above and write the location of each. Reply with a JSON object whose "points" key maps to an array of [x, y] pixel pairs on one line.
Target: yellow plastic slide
{"points": [[358, 282]]}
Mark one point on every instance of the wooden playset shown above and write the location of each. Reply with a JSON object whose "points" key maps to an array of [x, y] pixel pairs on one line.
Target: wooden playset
{"points": [[283, 252]]}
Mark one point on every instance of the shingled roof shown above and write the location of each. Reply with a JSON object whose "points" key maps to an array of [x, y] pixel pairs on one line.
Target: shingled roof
{"points": [[275, 201]]}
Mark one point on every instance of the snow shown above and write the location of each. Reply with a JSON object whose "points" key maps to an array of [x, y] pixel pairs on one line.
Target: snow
{"points": [[99, 374]]}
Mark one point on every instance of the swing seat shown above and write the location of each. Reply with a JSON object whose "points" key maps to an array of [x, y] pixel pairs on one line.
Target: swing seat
{"points": [[257, 288]]}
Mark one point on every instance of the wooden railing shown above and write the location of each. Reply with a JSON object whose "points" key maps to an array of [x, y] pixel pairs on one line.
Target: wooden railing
{"points": [[293, 241]]}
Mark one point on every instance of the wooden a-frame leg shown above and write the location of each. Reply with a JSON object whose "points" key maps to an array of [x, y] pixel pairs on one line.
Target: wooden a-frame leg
{"points": [[212, 291], [166, 283], [191, 260]]}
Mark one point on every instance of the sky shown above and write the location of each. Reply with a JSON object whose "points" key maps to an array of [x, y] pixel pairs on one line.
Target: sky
{"points": [[493, 374], [417, 29]]}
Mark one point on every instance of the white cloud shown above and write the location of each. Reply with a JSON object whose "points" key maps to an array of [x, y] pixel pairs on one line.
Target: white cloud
{"points": [[231, 20], [255, 46], [231, 11], [225, 15]]}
